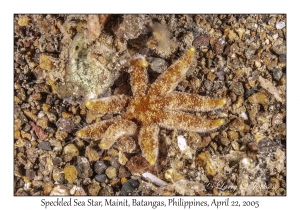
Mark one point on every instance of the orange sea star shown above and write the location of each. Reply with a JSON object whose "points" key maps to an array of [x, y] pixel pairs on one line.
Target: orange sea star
{"points": [[151, 107]]}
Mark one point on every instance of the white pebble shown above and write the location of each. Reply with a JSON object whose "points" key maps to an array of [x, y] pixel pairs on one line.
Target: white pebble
{"points": [[181, 143], [154, 179], [280, 25], [244, 115]]}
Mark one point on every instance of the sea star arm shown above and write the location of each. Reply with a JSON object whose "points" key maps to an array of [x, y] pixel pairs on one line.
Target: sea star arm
{"points": [[138, 76], [188, 122], [192, 102], [95, 130], [148, 141], [115, 131], [168, 80], [108, 105]]}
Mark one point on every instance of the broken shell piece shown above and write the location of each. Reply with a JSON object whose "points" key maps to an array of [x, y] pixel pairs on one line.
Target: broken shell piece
{"points": [[270, 88], [60, 190], [244, 115], [280, 25], [181, 143], [184, 148], [154, 179]]}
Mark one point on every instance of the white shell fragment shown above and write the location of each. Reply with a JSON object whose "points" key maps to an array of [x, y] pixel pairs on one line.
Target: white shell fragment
{"points": [[270, 88], [280, 25], [182, 143], [154, 179], [244, 115]]}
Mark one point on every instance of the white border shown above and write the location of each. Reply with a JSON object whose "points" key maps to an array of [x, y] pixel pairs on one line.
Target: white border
{"points": [[8, 8]]}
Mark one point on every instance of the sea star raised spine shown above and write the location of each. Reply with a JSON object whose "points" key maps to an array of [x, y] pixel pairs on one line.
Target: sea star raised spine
{"points": [[151, 107]]}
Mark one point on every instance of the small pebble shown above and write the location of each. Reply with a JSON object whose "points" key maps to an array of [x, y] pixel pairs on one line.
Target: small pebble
{"points": [[111, 172], [99, 167], [106, 190], [249, 92], [57, 161], [235, 145], [158, 65], [65, 124], [202, 40], [61, 135], [280, 25], [43, 88], [43, 122], [282, 58], [218, 47], [208, 84], [36, 96], [204, 142], [30, 174], [46, 62], [211, 76], [70, 173], [279, 48], [277, 74], [129, 187], [91, 154], [114, 161], [266, 146], [252, 146], [83, 167], [70, 151], [45, 145], [224, 141], [126, 144], [237, 88], [93, 188], [137, 164], [277, 119], [123, 172], [60, 190], [100, 178]]}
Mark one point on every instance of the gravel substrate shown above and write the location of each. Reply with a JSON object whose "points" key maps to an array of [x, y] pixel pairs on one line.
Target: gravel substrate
{"points": [[60, 61]]}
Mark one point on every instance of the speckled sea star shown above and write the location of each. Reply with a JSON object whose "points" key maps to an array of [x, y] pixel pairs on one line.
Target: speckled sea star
{"points": [[151, 107]]}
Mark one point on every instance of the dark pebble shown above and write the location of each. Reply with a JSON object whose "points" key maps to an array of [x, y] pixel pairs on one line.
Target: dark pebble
{"points": [[114, 161], [26, 127], [65, 124], [227, 50], [100, 167], [266, 146], [45, 145], [252, 146], [83, 167], [129, 186], [100, 178], [123, 172], [282, 58], [219, 46], [202, 40], [61, 178], [50, 99], [30, 174], [277, 74], [50, 130], [249, 92], [57, 161]]}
